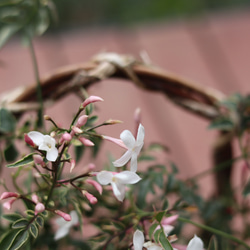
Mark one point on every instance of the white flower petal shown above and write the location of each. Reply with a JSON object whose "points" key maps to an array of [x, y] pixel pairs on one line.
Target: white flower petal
{"points": [[61, 232], [138, 148], [104, 177], [52, 154], [74, 217], [118, 190], [123, 160], [133, 163], [36, 137], [138, 240], [128, 177], [49, 140], [152, 246], [128, 139], [140, 134], [195, 244]]}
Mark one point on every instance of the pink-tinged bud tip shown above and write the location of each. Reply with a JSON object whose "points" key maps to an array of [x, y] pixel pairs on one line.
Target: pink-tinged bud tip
{"points": [[86, 142], [65, 216], [118, 142], [91, 166], [28, 140], [8, 204], [95, 184], [34, 198], [137, 115], [92, 199], [72, 165], [66, 137], [38, 159], [82, 121], [170, 220], [77, 130], [91, 99], [39, 208], [6, 195]]}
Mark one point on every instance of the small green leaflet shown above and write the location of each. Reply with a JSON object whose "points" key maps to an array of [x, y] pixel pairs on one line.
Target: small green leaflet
{"points": [[164, 242], [7, 120], [24, 161]]}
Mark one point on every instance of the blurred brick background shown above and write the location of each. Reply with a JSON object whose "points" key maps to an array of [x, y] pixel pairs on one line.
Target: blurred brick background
{"points": [[211, 51]]}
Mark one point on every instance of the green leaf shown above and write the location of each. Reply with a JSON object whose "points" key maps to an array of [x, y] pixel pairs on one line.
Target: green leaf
{"points": [[164, 241], [11, 217], [152, 229], [160, 215], [20, 240], [7, 32], [33, 230], [118, 225], [21, 223], [43, 21], [146, 158], [158, 147], [79, 151], [213, 244], [222, 123], [39, 221], [246, 190], [13, 239], [10, 152], [24, 161], [174, 168], [165, 204], [156, 235], [7, 120], [30, 213]]}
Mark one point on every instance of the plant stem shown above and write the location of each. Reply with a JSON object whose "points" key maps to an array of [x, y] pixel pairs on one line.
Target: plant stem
{"points": [[215, 231], [38, 83]]}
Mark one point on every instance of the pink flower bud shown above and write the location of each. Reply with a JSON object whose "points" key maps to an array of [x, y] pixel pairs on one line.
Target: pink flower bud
{"points": [[112, 122], [65, 137], [118, 142], [8, 204], [38, 159], [29, 141], [170, 220], [92, 199], [6, 195], [91, 99], [86, 142], [72, 165], [91, 166], [34, 198], [137, 116], [65, 216], [39, 207], [77, 130], [82, 121], [95, 184]]}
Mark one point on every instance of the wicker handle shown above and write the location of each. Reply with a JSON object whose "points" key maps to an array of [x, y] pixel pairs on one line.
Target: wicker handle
{"points": [[200, 100]]}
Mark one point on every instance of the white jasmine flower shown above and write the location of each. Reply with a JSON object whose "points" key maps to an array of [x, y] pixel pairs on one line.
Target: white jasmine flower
{"points": [[46, 143], [195, 244], [134, 147], [64, 226], [118, 181], [138, 242]]}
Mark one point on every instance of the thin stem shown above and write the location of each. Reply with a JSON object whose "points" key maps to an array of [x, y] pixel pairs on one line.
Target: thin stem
{"points": [[38, 88], [215, 231]]}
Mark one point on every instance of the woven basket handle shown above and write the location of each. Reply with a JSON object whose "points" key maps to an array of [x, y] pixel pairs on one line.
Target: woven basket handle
{"points": [[199, 100]]}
